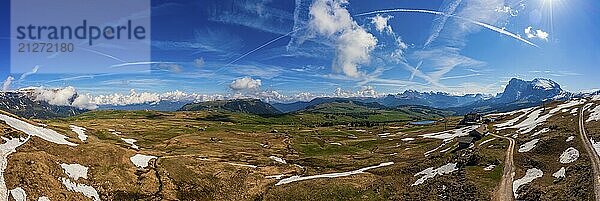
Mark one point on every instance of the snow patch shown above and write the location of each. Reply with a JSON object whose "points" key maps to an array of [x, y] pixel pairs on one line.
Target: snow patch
{"points": [[570, 138], [528, 145], [490, 167], [330, 175], [435, 149], [86, 190], [130, 142], [336, 143], [431, 173], [18, 194], [570, 155], [530, 175], [277, 159], [486, 141], [278, 177], [560, 173], [75, 171], [44, 133], [544, 130], [141, 160], [43, 198], [80, 132], [407, 139]]}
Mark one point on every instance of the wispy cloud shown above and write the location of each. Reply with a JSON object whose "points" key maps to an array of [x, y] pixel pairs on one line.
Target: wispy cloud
{"points": [[530, 33]]}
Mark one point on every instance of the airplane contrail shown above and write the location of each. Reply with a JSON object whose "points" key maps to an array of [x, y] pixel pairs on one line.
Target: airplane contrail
{"points": [[140, 63], [488, 26], [263, 45]]}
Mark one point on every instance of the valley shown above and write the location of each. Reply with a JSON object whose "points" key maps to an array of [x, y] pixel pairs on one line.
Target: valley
{"points": [[342, 150]]}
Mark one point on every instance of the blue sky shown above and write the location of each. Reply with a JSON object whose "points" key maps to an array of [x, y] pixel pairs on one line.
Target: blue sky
{"points": [[205, 46]]}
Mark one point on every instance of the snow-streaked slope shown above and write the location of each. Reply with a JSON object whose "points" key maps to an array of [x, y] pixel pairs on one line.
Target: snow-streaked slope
{"points": [[528, 146], [44, 133], [6, 149]]}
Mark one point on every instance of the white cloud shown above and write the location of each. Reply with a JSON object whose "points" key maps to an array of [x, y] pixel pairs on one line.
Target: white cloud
{"points": [[245, 83], [365, 91], [6, 84], [381, 23], [353, 44], [171, 67], [63, 97], [530, 33], [199, 62]]}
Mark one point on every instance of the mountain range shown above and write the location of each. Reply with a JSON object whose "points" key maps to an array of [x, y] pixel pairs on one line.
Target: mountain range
{"points": [[517, 94]]}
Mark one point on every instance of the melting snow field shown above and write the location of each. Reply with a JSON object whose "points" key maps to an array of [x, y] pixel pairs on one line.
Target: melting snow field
{"points": [[568, 156], [511, 122], [431, 173], [528, 146], [88, 191], [277, 159], [141, 160], [44, 133], [18, 194], [80, 132], [330, 175], [450, 134], [530, 175], [130, 142], [560, 173], [75, 171], [6, 149]]}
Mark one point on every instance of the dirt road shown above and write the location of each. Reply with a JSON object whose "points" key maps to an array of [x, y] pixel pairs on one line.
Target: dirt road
{"points": [[591, 153], [505, 191]]}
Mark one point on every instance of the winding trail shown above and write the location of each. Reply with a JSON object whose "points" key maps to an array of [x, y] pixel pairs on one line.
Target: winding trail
{"points": [[592, 153], [505, 191]]}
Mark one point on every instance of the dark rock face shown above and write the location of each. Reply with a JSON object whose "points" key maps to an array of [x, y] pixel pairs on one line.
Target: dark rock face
{"points": [[536, 90]]}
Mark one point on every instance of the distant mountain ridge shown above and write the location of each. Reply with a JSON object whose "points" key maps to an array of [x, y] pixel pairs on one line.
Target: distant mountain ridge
{"points": [[517, 94], [251, 106]]}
